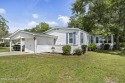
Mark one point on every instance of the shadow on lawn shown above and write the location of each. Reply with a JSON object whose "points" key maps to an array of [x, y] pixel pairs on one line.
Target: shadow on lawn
{"points": [[116, 52]]}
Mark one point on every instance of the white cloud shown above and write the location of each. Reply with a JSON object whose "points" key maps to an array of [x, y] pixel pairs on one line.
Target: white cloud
{"points": [[32, 24], [63, 19], [52, 23], [2, 11], [13, 26], [35, 15]]}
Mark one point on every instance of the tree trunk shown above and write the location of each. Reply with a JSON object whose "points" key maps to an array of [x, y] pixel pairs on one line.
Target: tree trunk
{"points": [[117, 42]]}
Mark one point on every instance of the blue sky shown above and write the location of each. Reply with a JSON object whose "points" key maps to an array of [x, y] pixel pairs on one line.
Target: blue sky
{"points": [[23, 14]]}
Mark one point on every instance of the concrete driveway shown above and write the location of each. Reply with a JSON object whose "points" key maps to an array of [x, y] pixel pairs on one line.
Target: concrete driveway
{"points": [[13, 53]]}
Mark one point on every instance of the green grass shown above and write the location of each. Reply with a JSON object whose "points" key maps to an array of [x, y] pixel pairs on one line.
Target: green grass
{"points": [[92, 68], [3, 49]]}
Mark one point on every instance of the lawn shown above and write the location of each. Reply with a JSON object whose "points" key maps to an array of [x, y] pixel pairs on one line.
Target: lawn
{"points": [[91, 68], [3, 49]]}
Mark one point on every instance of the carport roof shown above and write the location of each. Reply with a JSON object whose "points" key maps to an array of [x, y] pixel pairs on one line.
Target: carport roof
{"points": [[32, 33]]}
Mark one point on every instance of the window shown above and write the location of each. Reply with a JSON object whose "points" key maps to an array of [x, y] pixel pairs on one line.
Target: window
{"points": [[109, 39], [70, 37], [54, 41], [91, 39], [81, 37], [105, 41], [100, 41], [97, 39]]}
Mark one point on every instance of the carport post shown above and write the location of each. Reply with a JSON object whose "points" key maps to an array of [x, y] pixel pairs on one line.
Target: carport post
{"points": [[10, 45], [21, 45], [35, 45]]}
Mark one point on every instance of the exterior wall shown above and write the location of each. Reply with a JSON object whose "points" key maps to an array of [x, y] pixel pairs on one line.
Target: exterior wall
{"points": [[29, 45], [44, 44], [44, 48], [61, 33], [45, 41], [58, 48], [101, 39], [22, 35], [2, 41], [61, 40]]}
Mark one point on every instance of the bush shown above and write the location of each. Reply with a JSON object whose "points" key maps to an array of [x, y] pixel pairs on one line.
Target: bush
{"points": [[78, 52], [6, 44], [53, 49], [92, 47], [106, 47], [102, 46], [66, 49], [84, 48], [122, 52], [2, 45], [114, 47], [122, 44]]}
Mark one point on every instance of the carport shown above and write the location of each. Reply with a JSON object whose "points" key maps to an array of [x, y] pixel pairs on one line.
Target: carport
{"points": [[34, 42], [24, 36]]}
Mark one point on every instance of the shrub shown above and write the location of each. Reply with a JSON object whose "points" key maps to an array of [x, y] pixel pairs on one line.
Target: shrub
{"points": [[2, 44], [122, 52], [66, 49], [78, 52], [114, 47], [84, 48], [7, 44], [106, 47], [102, 46], [53, 49], [122, 44], [92, 47]]}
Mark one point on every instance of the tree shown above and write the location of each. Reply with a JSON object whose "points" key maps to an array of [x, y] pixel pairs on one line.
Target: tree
{"points": [[102, 17], [42, 27], [3, 26], [118, 16]]}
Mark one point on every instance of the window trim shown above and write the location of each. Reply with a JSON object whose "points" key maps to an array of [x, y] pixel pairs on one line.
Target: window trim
{"points": [[92, 39], [81, 38], [97, 41], [71, 37]]}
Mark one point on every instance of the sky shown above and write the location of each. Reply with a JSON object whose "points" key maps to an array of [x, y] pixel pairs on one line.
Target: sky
{"points": [[25, 14]]}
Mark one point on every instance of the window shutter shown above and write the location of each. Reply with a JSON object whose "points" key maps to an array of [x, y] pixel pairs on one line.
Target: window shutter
{"points": [[66, 38], [74, 42]]}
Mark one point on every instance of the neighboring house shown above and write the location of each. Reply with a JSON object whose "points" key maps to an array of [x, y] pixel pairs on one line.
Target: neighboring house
{"points": [[57, 38], [4, 38]]}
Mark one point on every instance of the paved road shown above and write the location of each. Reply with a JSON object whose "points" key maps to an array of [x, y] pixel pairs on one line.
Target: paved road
{"points": [[12, 53]]}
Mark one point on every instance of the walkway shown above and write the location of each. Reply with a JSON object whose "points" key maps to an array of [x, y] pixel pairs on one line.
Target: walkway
{"points": [[13, 53]]}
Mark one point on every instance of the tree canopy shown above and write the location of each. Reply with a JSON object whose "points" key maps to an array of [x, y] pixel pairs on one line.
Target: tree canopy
{"points": [[3, 26], [103, 17], [42, 27]]}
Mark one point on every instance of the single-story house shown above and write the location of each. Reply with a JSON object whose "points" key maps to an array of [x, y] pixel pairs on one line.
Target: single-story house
{"points": [[5, 38], [57, 38]]}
